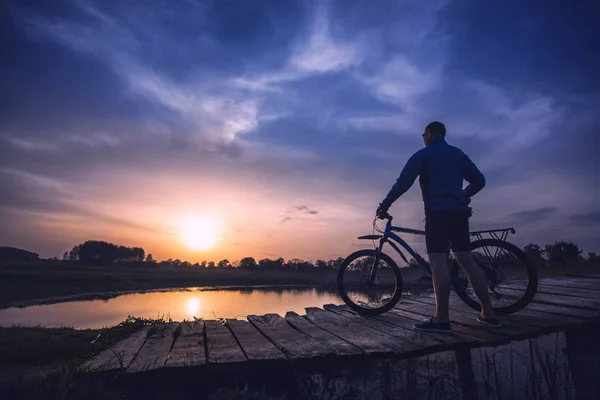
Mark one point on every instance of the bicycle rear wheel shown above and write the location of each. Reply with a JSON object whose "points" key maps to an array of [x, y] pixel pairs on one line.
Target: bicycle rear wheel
{"points": [[512, 277], [363, 296]]}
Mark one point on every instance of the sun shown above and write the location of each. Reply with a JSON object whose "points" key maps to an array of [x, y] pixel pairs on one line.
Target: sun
{"points": [[199, 233]]}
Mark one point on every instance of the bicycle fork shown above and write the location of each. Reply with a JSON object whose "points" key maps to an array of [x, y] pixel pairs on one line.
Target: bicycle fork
{"points": [[374, 276]]}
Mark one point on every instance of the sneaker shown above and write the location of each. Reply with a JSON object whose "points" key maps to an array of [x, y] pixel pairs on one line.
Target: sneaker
{"points": [[429, 326], [491, 322]]}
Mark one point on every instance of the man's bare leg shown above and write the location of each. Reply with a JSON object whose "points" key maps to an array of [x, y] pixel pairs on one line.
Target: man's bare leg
{"points": [[441, 285], [478, 282]]}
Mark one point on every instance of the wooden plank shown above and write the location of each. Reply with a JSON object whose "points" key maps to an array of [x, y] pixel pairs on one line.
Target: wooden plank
{"points": [[508, 329], [221, 346], [188, 349], [155, 350], [486, 337], [293, 343], [546, 319], [461, 313], [580, 283], [338, 346], [120, 355], [548, 322], [527, 317], [574, 302], [253, 343], [590, 276], [369, 340], [419, 337], [562, 311], [558, 290], [425, 345]]}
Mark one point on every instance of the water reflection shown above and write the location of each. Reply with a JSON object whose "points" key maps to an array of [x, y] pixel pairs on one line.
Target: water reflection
{"points": [[209, 304]]}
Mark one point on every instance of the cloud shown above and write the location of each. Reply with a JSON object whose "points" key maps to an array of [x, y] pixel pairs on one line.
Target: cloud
{"points": [[291, 213], [306, 210], [401, 82], [589, 218], [40, 196], [210, 109], [533, 216], [522, 122], [320, 52]]}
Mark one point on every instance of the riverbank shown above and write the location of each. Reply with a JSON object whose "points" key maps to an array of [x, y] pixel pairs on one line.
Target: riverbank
{"points": [[32, 284], [30, 353], [23, 285]]}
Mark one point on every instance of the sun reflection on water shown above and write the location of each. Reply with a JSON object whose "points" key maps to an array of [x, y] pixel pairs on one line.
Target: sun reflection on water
{"points": [[178, 305], [193, 305]]}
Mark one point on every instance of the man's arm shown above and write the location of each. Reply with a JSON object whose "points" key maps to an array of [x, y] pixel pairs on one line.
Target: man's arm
{"points": [[474, 177], [407, 177]]}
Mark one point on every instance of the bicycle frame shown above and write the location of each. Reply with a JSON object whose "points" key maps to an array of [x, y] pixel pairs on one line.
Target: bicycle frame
{"points": [[388, 234]]}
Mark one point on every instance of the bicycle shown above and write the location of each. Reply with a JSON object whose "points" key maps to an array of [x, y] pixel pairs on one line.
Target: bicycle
{"points": [[504, 283]]}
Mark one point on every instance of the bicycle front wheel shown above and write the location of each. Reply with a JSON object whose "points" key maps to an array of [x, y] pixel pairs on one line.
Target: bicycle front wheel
{"points": [[512, 277], [359, 292]]}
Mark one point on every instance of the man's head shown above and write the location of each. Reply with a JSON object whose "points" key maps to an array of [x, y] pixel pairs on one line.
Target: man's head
{"points": [[433, 131]]}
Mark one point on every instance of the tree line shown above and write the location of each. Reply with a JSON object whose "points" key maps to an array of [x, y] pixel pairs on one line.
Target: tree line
{"points": [[95, 252], [558, 253]]}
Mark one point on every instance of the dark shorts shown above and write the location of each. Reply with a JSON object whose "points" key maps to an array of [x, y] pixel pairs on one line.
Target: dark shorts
{"points": [[444, 229]]}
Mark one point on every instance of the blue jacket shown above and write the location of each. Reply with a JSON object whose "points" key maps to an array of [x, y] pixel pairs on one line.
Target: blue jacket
{"points": [[441, 169]]}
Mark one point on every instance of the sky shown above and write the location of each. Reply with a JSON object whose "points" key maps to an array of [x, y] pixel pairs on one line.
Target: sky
{"points": [[287, 122]]}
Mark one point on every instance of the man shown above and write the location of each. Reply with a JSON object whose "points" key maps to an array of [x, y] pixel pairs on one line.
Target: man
{"points": [[441, 169]]}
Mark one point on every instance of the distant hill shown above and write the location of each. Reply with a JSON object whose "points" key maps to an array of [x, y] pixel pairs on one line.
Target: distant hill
{"points": [[11, 254]]}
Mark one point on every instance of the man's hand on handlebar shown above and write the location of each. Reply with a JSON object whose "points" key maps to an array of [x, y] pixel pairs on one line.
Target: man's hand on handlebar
{"points": [[382, 212]]}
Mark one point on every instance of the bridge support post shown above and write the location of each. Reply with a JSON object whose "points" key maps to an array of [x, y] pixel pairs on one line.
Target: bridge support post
{"points": [[583, 353], [465, 373]]}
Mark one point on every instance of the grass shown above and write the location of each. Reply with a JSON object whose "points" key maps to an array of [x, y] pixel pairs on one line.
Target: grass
{"points": [[40, 346]]}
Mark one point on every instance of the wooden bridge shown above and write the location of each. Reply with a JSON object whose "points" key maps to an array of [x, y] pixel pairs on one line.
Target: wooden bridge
{"points": [[335, 332]]}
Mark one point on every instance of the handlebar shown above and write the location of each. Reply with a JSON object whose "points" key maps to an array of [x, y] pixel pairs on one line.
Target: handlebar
{"points": [[385, 215]]}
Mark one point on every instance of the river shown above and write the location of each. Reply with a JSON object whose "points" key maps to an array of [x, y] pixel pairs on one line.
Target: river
{"points": [[177, 305]]}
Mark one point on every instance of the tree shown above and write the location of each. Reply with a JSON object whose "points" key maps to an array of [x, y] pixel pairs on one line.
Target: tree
{"points": [[101, 252], [593, 258], [321, 264], [561, 252], [298, 264], [203, 264], [74, 253], [134, 254], [211, 264], [149, 258], [534, 252], [223, 263], [12, 254], [267, 263], [335, 264], [248, 263]]}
